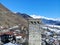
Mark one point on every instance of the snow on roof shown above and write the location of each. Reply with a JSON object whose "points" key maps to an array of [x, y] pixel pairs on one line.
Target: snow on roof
{"points": [[18, 37], [52, 25], [14, 27]]}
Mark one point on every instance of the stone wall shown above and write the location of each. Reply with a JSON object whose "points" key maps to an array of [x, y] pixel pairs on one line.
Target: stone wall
{"points": [[34, 32]]}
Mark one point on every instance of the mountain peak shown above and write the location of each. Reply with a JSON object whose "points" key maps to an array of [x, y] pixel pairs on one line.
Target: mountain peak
{"points": [[26, 16]]}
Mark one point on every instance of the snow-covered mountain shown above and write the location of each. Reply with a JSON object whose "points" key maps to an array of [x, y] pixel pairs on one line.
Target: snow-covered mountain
{"points": [[45, 20], [50, 24]]}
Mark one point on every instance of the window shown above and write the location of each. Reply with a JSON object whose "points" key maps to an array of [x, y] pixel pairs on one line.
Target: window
{"points": [[34, 22], [38, 22], [31, 22]]}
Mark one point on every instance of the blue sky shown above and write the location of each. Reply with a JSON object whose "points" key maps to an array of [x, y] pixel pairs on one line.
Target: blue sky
{"points": [[47, 8]]}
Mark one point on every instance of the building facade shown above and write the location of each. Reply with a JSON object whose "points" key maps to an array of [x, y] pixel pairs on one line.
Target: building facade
{"points": [[34, 32]]}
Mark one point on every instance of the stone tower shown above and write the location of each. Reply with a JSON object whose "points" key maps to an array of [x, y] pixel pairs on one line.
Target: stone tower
{"points": [[34, 32]]}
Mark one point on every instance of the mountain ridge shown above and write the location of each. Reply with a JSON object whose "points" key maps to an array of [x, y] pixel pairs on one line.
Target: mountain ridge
{"points": [[26, 16], [8, 18], [46, 20]]}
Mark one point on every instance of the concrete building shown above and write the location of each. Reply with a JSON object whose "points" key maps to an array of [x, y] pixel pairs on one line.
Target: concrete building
{"points": [[34, 31]]}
